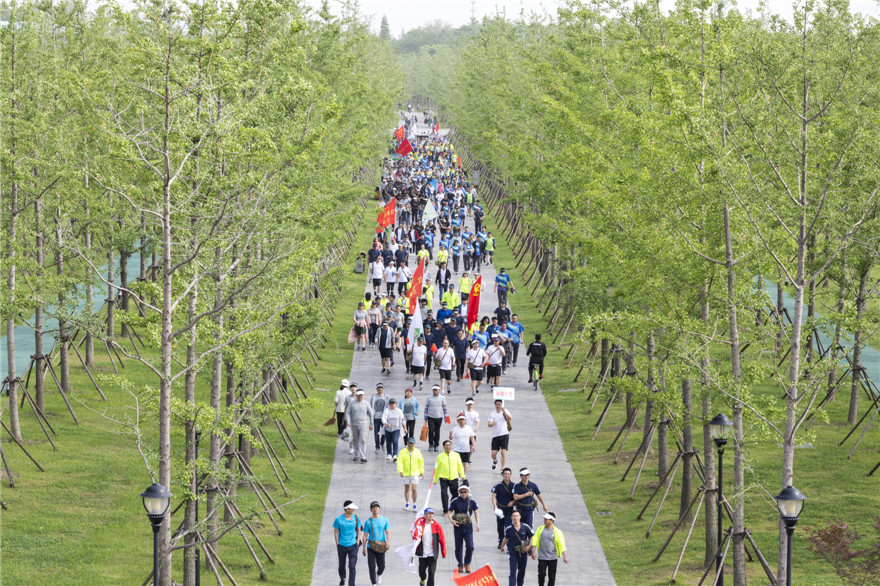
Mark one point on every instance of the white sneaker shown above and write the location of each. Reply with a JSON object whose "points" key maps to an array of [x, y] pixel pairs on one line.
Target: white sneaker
{"points": [[351, 450], [378, 579], [388, 457], [394, 458]]}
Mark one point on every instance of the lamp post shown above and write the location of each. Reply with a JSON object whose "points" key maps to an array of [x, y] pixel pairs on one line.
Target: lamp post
{"points": [[156, 502], [790, 503], [719, 426]]}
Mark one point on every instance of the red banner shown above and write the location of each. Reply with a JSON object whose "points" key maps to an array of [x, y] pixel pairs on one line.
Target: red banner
{"points": [[399, 133], [482, 577], [415, 289], [405, 148], [474, 302], [387, 216]]}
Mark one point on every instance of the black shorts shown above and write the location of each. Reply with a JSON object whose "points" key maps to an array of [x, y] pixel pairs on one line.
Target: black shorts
{"points": [[493, 370], [377, 282], [447, 374], [386, 352], [500, 442], [477, 374], [465, 457], [417, 369]]}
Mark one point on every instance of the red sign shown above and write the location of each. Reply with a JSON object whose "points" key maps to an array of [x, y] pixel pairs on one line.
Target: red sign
{"points": [[388, 215], [474, 302], [415, 289], [482, 577]]}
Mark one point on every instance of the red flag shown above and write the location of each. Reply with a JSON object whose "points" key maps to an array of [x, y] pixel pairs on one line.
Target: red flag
{"points": [[459, 162], [405, 148], [474, 302], [415, 288], [482, 577], [399, 133], [437, 127], [387, 216]]}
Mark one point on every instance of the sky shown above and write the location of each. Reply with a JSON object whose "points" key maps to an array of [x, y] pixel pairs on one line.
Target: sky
{"points": [[409, 14]]}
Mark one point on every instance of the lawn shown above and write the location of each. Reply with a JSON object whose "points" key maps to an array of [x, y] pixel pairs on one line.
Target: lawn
{"points": [[81, 521], [836, 487]]}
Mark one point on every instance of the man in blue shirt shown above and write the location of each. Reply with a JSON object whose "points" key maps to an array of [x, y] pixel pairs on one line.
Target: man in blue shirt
{"points": [[527, 494], [516, 330], [347, 532], [444, 313], [455, 253], [460, 510], [377, 533], [502, 284]]}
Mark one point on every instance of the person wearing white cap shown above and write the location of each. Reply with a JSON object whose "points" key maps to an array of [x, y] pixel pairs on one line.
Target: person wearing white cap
{"points": [[475, 362], [359, 416], [339, 406], [548, 545], [471, 416], [525, 494], [462, 436], [495, 354], [347, 533], [460, 510]]}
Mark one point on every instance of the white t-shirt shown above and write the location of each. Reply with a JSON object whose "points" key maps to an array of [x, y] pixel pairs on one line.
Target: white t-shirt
{"points": [[461, 438], [390, 274], [404, 274], [496, 355], [419, 355], [378, 270], [446, 355], [476, 357], [499, 425], [472, 418]]}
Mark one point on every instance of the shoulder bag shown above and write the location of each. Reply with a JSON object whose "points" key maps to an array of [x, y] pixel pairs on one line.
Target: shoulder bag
{"points": [[376, 546]]}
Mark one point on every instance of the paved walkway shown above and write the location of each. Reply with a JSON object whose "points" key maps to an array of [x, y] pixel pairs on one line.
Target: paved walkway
{"points": [[534, 442]]}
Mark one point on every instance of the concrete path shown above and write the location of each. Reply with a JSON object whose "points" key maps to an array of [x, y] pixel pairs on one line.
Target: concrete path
{"points": [[534, 442]]}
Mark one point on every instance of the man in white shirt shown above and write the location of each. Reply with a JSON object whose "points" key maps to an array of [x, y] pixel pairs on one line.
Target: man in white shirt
{"points": [[471, 416], [462, 437], [404, 274], [496, 359], [476, 358], [447, 364], [500, 435], [390, 278], [419, 356], [377, 272]]}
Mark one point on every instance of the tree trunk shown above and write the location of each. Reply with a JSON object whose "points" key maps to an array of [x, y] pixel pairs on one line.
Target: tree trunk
{"points": [[649, 403], [111, 324], [630, 373], [216, 450], [662, 434], [90, 295], [189, 521], [231, 443], [687, 456], [711, 499], [123, 288], [63, 351], [835, 344], [39, 366], [855, 388], [780, 317]]}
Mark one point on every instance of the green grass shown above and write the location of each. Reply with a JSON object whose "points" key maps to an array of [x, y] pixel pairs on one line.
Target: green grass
{"points": [[835, 486], [81, 521]]}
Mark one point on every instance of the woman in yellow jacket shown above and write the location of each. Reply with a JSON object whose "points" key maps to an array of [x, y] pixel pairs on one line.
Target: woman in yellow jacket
{"points": [[411, 467], [553, 548]]}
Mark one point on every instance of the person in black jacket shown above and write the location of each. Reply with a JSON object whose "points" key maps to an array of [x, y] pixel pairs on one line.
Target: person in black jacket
{"points": [[536, 353], [443, 277]]}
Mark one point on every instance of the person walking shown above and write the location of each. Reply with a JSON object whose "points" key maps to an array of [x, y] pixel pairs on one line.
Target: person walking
{"points": [[445, 358], [516, 330], [435, 412], [360, 318], [503, 503], [459, 349], [503, 282], [411, 467], [518, 539], [527, 494], [464, 289], [347, 534], [375, 314], [359, 417], [448, 470], [548, 545], [376, 539], [418, 360], [461, 509], [348, 400], [393, 421], [377, 272], [471, 416], [495, 355], [339, 406], [379, 401], [410, 408], [462, 436], [536, 352], [390, 276], [386, 339], [432, 545], [499, 421], [475, 362]]}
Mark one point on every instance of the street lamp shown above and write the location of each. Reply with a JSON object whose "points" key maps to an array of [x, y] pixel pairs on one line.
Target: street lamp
{"points": [[790, 503], [719, 426], [156, 502]]}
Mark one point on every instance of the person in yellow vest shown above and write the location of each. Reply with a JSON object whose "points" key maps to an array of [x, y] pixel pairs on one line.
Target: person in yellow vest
{"points": [[423, 254], [448, 471], [451, 298], [464, 288], [442, 255], [428, 293], [548, 544], [411, 467]]}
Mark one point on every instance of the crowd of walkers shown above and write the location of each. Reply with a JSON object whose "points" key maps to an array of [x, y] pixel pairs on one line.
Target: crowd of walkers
{"points": [[435, 207]]}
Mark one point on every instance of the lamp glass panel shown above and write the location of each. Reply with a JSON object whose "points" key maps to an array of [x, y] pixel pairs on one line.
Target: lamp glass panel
{"points": [[156, 506], [790, 508]]}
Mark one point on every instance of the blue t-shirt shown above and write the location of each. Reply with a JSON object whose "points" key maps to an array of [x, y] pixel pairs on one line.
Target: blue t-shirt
{"points": [[482, 338], [347, 530], [464, 506], [460, 347], [516, 331], [514, 538], [375, 528], [520, 488], [503, 281]]}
